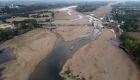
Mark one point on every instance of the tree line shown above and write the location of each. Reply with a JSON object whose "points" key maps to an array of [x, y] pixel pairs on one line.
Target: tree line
{"points": [[3, 18], [90, 6], [133, 45], [25, 26], [36, 6]]}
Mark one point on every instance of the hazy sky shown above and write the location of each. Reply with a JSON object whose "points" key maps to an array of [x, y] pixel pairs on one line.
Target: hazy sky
{"points": [[70, 0]]}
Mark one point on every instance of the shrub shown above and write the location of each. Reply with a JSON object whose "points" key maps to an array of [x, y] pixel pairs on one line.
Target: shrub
{"points": [[73, 77], [69, 76], [63, 73], [78, 79]]}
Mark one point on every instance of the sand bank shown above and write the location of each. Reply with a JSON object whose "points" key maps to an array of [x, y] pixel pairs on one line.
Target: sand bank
{"points": [[69, 33], [101, 60], [29, 48]]}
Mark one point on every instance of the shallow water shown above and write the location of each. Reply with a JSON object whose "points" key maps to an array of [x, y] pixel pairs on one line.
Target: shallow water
{"points": [[5, 55], [1, 69], [115, 43], [49, 68]]}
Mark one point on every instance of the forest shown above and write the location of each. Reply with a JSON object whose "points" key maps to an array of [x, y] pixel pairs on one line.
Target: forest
{"points": [[133, 45], [90, 6], [36, 6], [26, 25]]}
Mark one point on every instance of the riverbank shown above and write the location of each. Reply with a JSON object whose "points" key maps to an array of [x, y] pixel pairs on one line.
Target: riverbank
{"points": [[101, 12], [70, 17], [29, 49], [101, 60]]}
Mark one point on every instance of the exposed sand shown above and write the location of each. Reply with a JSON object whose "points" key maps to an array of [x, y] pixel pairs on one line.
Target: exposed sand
{"points": [[101, 60], [29, 48], [101, 12], [98, 60], [69, 33], [63, 17]]}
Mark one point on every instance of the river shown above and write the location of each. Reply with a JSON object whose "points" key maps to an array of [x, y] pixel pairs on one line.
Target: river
{"points": [[49, 68]]}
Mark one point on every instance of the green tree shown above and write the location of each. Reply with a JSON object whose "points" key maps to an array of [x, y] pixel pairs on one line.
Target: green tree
{"points": [[31, 26], [124, 36], [136, 26]]}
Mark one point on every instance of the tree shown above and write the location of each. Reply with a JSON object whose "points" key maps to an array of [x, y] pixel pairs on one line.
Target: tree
{"points": [[124, 36], [23, 25], [47, 20], [136, 26], [16, 31], [4, 21], [31, 26]]}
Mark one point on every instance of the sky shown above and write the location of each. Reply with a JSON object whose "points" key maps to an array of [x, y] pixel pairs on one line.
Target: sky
{"points": [[70, 0]]}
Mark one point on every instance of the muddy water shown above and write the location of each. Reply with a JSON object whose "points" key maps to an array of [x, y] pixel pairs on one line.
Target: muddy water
{"points": [[49, 68]]}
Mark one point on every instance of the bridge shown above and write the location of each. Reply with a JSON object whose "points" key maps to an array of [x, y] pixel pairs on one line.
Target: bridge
{"points": [[64, 24]]}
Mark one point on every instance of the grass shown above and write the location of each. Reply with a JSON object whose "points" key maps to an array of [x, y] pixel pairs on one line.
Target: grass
{"points": [[73, 77], [78, 79], [69, 76], [64, 74]]}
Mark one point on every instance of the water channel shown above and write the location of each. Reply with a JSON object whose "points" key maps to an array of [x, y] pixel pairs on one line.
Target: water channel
{"points": [[49, 68], [6, 55]]}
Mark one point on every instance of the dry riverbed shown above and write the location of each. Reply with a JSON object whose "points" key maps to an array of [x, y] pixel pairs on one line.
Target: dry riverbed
{"points": [[29, 48], [101, 12], [101, 60], [69, 33], [98, 60]]}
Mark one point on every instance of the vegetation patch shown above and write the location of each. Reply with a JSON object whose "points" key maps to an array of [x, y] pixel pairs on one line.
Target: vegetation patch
{"points": [[38, 16], [25, 26], [78, 79], [70, 76], [90, 6], [73, 77], [133, 45]]}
